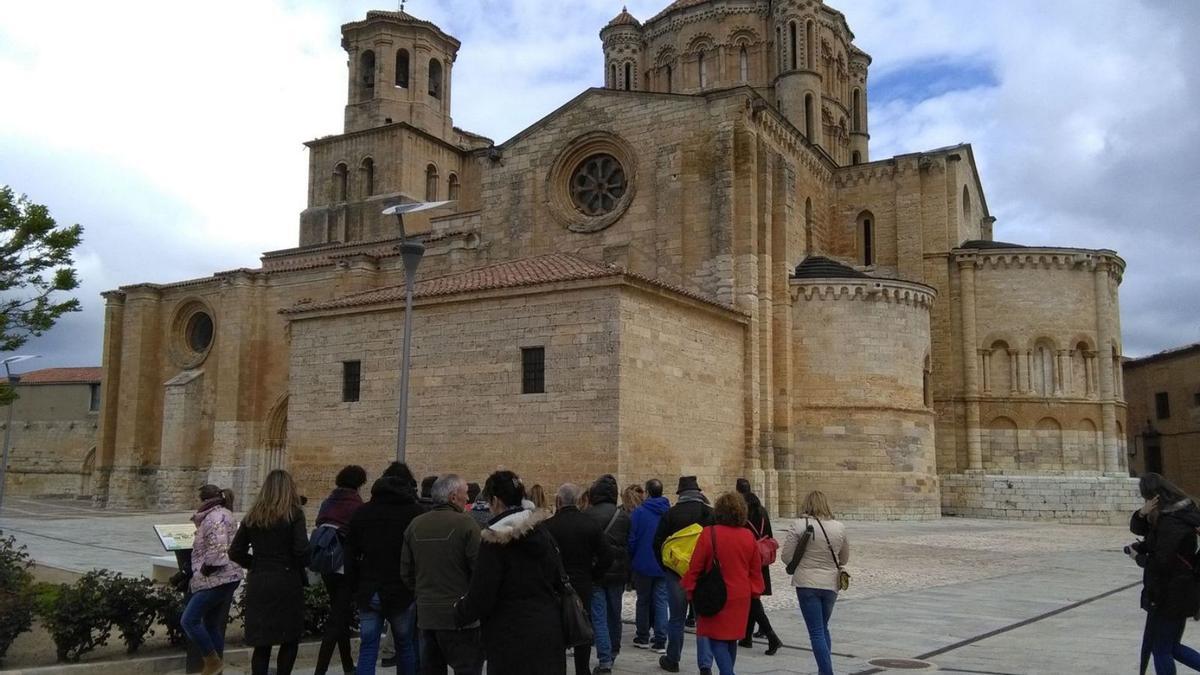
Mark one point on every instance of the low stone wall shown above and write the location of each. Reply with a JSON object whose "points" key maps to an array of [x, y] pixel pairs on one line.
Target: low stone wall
{"points": [[869, 495], [1095, 500]]}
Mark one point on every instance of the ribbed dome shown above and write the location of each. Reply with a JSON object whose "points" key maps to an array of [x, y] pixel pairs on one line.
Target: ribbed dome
{"points": [[624, 19], [820, 267]]}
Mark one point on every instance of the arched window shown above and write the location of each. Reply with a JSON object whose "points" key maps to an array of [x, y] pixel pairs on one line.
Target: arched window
{"points": [[855, 157], [366, 74], [612, 75], [743, 66], [435, 78], [927, 374], [703, 69], [792, 41], [810, 46], [431, 181], [779, 48], [628, 76], [856, 110], [341, 182], [368, 177], [1042, 371], [966, 201], [1000, 369], [808, 117], [670, 83], [402, 68], [866, 229], [808, 227], [452, 187]]}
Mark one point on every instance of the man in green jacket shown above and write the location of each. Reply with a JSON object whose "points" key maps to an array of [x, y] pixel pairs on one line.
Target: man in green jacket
{"points": [[440, 548]]}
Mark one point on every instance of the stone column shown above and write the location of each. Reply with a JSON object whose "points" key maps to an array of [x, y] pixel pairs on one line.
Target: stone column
{"points": [[114, 319], [986, 356], [1059, 358], [966, 268], [1014, 372], [1108, 413]]}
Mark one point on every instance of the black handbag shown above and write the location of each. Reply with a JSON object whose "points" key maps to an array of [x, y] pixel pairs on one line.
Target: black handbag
{"points": [[801, 547], [576, 622], [710, 594]]}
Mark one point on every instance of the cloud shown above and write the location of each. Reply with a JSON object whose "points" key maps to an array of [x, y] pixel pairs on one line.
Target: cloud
{"points": [[173, 131]]}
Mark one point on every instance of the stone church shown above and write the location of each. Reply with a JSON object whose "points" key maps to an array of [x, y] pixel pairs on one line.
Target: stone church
{"points": [[697, 269]]}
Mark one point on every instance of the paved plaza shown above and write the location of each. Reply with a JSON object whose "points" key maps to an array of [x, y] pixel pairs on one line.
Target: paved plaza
{"points": [[968, 596]]}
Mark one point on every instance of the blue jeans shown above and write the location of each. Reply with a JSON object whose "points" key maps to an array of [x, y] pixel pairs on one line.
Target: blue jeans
{"points": [[651, 608], [677, 599], [816, 604], [724, 654], [1165, 635], [203, 620], [606, 621], [404, 634]]}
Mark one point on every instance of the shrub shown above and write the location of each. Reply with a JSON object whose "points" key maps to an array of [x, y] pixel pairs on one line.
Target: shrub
{"points": [[133, 607], [78, 618], [170, 611], [316, 609], [16, 593]]}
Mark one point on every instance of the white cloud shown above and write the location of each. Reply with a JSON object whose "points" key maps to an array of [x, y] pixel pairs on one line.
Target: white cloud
{"points": [[173, 131]]}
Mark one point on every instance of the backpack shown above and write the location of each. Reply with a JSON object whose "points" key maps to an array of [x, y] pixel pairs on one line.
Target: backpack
{"points": [[768, 547], [325, 553], [677, 549]]}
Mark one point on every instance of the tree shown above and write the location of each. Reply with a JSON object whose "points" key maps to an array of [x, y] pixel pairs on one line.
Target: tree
{"points": [[36, 267]]}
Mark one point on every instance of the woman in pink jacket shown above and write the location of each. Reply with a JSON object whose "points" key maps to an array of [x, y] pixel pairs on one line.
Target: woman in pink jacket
{"points": [[214, 577]]}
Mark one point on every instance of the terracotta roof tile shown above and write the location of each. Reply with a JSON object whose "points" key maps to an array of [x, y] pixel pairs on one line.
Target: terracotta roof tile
{"points": [[63, 376], [533, 271], [624, 19]]}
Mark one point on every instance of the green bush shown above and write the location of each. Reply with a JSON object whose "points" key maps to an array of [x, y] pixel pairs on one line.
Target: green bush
{"points": [[134, 606], [170, 611], [16, 593], [79, 618], [316, 609]]}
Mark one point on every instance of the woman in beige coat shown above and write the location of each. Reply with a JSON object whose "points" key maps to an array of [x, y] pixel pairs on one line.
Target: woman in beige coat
{"points": [[816, 576]]}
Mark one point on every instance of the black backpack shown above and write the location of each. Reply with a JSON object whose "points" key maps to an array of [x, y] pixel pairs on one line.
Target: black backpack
{"points": [[325, 552], [710, 594]]}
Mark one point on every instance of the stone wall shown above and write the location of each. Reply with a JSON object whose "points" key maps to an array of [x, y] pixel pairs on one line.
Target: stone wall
{"points": [[53, 441], [1092, 500], [1175, 375]]}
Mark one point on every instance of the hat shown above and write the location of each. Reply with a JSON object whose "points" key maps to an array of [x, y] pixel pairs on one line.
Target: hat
{"points": [[687, 483]]}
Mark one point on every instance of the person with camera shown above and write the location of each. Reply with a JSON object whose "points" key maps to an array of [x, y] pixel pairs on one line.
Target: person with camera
{"points": [[1170, 589], [816, 547]]}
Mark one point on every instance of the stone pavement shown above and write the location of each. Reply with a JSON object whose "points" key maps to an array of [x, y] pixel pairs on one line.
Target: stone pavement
{"points": [[969, 596]]}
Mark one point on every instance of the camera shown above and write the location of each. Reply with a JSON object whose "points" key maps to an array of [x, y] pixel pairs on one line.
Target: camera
{"points": [[1133, 549]]}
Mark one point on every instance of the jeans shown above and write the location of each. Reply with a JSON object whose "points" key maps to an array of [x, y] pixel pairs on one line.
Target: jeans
{"points": [[404, 634], [816, 604], [204, 618], [724, 654], [677, 599], [651, 608], [459, 650], [1164, 635], [606, 621]]}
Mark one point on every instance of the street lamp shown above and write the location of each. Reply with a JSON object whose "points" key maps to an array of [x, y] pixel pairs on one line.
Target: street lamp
{"points": [[12, 381], [410, 253]]}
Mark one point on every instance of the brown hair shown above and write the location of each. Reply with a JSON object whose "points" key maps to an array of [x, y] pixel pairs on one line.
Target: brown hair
{"points": [[730, 509], [537, 495], [210, 491], [816, 505], [277, 501], [632, 497]]}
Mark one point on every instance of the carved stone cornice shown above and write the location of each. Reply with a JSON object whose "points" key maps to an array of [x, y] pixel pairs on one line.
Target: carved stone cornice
{"points": [[867, 290], [1088, 260]]}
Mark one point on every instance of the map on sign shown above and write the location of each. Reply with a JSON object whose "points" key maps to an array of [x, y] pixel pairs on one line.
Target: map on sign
{"points": [[176, 537]]}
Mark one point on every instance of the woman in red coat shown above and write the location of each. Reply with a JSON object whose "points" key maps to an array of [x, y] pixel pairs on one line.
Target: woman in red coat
{"points": [[741, 568]]}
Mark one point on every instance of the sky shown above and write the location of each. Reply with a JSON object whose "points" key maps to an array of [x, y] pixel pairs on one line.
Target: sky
{"points": [[173, 131]]}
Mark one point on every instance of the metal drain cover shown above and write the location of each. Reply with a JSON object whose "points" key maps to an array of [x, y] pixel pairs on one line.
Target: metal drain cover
{"points": [[901, 664]]}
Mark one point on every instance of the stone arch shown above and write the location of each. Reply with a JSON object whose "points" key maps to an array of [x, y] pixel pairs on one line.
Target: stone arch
{"points": [[743, 36], [340, 186], [367, 169], [85, 473], [1047, 450], [865, 227], [402, 68], [431, 183], [926, 381], [366, 75], [1122, 448], [435, 78], [1043, 369], [452, 187], [1003, 446], [275, 438], [1000, 368], [966, 205], [1090, 444], [1080, 373]]}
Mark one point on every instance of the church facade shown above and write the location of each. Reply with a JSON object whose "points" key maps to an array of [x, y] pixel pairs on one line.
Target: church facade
{"points": [[696, 269]]}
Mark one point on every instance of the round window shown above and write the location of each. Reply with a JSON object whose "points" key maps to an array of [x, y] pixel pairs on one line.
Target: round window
{"points": [[597, 185], [199, 332]]}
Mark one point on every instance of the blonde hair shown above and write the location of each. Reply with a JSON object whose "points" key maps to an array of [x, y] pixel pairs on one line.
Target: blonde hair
{"points": [[276, 502], [537, 495], [632, 497], [815, 504]]}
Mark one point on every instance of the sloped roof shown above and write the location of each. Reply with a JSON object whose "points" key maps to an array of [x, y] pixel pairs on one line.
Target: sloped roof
{"points": [[1164, 355], [983, 243], [63, 376], [624, 19], [677, 5], [820, 267], [523, 272]]}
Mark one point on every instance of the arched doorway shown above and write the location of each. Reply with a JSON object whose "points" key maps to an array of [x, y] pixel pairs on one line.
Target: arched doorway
{"points": [[85, 475], [275, 439]]}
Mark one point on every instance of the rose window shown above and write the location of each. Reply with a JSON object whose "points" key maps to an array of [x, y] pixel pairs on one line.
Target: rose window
{"points": [[597, 185]]}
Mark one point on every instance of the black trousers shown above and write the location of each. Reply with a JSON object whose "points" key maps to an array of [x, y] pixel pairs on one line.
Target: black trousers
{"points": [[758, 615], [459, 650], [337, 628]]}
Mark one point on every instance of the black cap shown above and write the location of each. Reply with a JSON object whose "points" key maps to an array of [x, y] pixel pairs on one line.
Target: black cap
{"points": [[687, 483]]}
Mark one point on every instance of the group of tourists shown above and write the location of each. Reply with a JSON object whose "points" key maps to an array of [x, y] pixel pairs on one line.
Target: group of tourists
{"points": [[519, 578]]}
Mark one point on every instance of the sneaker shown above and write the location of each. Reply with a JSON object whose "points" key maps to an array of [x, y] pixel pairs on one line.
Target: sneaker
{"points": [[640, 643], [659, 649], [602, 670], [746, 644], [690, 622], [706, 671], [668, 665], [388, 662]]}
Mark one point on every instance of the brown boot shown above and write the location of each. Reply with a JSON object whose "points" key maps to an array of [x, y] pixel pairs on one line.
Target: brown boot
{"points": [[212, 665]]}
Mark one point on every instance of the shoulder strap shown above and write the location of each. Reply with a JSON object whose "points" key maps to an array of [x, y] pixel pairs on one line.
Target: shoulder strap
{"points": [[835, 558], [616, 512], [713, 562]]}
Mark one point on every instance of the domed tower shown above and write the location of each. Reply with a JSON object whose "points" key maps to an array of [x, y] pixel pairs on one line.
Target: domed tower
{"points": [[798, 88], [400, 70], [622, 39], [859, 62]]}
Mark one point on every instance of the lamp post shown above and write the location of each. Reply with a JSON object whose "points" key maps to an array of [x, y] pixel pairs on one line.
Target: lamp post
{"points": [[12, 381], [411, 253]]}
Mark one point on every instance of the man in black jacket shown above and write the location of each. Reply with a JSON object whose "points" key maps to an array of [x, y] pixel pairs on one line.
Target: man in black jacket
{"points": [[374, 543], [690, 508], [608, 515], [585, 555]]}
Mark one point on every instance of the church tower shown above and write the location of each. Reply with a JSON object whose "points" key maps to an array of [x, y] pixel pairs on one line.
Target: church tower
{"points": [[399, 71]]}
